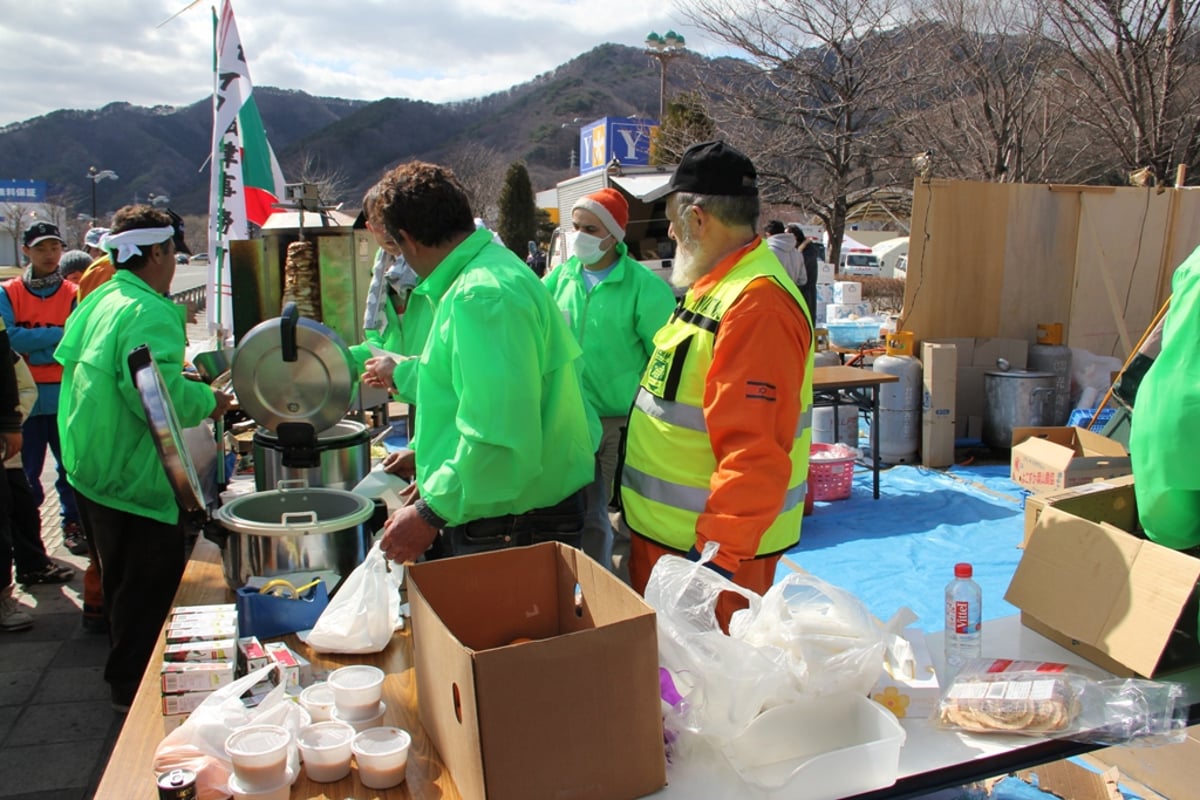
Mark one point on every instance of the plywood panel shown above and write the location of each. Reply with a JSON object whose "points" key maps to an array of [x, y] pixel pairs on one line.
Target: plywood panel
{"points": [[956, 259], [1039, 259], [1119, 250]]}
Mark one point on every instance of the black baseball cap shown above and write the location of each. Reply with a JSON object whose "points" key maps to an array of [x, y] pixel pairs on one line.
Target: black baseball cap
{"points": [[40, 232], [711, 168]]}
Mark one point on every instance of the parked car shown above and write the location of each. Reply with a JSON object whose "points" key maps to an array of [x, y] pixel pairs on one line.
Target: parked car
{"points": [[859, 262], [181, 258], [200, 258]]}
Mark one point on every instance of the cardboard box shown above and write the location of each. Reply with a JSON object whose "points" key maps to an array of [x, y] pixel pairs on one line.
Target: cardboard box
{"points": [[910, 694], [840, 311], [1118, 600], [219, 650], [184, 703], [937, 443], [825, 292], [1045, 459], [975, 357], [574, 713], [825, 273], [1103, 501], [288, 671], [939, 385], [847, 292], [251, 654]]}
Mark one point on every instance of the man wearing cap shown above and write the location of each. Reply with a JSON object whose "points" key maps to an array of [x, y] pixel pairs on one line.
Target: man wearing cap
{"points": [[91, 242], [128, 506], [35, 307], [717, 449], [614, 306], [503, 451]]}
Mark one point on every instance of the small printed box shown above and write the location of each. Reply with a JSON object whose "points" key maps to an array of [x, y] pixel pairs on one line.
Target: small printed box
{"points": [[218, 650], [184, 703], [199, 628], [285, 659], [196, 676], [910, 690], [825, 292], [217, 609], [825, 273], [822, 312], [847, 292], [251, 654]]}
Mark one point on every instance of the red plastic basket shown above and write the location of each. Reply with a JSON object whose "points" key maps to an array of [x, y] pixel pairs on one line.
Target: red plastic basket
{"points": [[829, 479]]}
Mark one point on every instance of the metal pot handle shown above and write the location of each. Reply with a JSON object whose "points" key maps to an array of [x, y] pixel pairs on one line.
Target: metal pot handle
{"points": [[292, 483], [287, 332], [298, 519]]}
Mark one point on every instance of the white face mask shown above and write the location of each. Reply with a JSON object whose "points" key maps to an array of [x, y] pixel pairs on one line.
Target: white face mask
{"points": [[587, 248]]}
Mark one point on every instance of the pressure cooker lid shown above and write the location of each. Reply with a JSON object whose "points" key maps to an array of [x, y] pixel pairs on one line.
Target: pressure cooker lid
{"points": [[294, 369], [165, 430]]}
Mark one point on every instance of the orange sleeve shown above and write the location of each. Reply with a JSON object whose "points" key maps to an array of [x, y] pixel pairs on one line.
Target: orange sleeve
{"points": [[99, 272], [751, 408]]}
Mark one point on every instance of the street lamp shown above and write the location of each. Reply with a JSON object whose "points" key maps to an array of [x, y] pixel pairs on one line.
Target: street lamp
{"points": [[95, 176], [663, 49]]}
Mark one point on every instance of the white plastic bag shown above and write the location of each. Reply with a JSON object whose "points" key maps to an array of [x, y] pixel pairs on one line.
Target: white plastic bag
{"points": [[199, 743], [365, 612]]}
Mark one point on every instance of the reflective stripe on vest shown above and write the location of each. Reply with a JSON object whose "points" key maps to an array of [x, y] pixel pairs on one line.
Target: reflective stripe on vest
{"points": [[669, 464]]}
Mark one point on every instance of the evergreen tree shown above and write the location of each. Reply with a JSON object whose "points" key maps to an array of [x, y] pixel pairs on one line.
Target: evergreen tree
{"points": [[517, 225], [685, 123]]}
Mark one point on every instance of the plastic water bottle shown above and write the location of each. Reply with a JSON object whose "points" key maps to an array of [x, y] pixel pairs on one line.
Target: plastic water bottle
{"points": [[964, 602]]}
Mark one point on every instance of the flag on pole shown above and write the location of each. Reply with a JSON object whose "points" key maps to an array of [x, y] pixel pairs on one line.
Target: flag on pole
{"points": [[246, 179]]}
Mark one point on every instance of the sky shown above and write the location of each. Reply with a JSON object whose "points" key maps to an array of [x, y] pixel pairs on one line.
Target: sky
{"points": [[85, 54]]}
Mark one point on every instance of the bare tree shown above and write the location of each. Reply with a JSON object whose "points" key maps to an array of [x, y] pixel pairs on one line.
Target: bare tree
{"points": [[818, 106], [995, 109], [481, 170], [13, 224], [333, 186], [1135, 67]]}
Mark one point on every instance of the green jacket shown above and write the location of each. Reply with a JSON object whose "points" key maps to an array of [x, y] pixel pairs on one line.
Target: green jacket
{"points": [[107, 449], [503, 426], [403, 335], [615, 324]]}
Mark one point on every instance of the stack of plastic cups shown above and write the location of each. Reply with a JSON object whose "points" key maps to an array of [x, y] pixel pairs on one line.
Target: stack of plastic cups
{"points": [[358, 696], [260, 762]]}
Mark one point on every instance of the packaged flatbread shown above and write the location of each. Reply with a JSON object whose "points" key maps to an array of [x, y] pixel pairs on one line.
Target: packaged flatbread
{"points": [[1003, 696]]}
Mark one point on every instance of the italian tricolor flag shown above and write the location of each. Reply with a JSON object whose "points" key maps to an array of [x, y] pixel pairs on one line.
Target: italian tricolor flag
{"points": [[246, 179]]}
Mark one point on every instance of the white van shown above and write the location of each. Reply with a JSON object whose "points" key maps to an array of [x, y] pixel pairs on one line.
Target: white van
{"points": [[889, 252], [858, 261]]}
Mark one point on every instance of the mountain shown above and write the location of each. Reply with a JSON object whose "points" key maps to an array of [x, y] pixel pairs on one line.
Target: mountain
{"points": [[164, 150]]}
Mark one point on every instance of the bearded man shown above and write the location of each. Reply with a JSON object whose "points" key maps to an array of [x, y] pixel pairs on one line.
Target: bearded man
{"points": [[718, 441]]}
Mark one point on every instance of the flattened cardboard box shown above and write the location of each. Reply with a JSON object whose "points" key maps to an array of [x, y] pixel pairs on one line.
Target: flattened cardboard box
{"points": [[574, 713], [1046, 459], [1110, 500], [1122, 602]]}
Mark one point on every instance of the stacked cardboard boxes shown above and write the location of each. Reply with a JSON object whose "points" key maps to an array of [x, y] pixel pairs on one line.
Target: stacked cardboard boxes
{"points": [[1051, 459], [199, 657]]}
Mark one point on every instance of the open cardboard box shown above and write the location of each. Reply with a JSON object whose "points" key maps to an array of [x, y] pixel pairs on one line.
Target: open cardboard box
{"points": [[1115, 598], [1045, 459], [575, 712], [1110, 500]]}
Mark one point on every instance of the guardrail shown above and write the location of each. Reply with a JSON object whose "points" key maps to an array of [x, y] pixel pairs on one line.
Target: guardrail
{"points": [[197, 297]]}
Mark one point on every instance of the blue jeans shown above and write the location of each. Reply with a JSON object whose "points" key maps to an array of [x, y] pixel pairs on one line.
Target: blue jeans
{"points": [[39, 432], [561, 522]]}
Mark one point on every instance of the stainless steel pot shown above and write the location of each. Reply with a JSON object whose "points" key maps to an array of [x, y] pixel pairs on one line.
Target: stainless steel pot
{"points": [[1015, 399], [343, 457], [294, 529]]}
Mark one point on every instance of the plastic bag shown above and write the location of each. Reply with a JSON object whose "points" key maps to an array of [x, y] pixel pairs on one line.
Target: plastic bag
{"points": [[365, 611], [199, 743], [1062, 701], [803, 638]]}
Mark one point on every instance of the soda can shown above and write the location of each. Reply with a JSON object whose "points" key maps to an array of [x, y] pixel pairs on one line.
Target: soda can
{"points": [[178, 784]]}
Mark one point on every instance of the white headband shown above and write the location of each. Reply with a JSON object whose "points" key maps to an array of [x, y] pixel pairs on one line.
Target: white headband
{"points": [[127, 244]]}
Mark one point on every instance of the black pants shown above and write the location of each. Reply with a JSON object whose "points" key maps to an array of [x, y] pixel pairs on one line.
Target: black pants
{"points": [[141, 563], [561, 522]]}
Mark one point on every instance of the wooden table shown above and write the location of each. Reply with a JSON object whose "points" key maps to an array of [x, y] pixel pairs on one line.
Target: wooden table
{"points": [[130, 772], [837, 386]]}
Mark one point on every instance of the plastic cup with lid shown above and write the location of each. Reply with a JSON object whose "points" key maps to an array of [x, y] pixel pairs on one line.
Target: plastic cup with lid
{"points": [[382, 755], [325, 748], [260, 755], [357, 690]]}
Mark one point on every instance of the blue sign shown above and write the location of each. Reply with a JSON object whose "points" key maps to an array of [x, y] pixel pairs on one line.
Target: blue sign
{"points": [[623, 138], [12, 191]]}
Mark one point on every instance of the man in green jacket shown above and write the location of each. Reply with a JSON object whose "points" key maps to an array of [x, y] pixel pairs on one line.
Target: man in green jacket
{"points": [[126, 503], [614, 306], [503, 451]]}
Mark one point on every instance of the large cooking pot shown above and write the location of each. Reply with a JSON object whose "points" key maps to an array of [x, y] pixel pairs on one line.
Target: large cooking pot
{"points": [[294, 529], [1015, 399], [343, 455]]}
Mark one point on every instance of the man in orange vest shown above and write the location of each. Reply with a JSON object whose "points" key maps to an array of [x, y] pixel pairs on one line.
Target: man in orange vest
{"points": [[34, 307]]}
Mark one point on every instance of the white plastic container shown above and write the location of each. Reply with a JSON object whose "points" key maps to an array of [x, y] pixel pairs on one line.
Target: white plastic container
{"points": [[260, 755], [372, 721], [357, 691], [325, 748], [317, 700], [820, 748], [281, 792], [382, 755]]}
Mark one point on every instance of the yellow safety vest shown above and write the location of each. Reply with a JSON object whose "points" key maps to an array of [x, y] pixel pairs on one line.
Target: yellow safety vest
{"points": [[669, 461]]}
